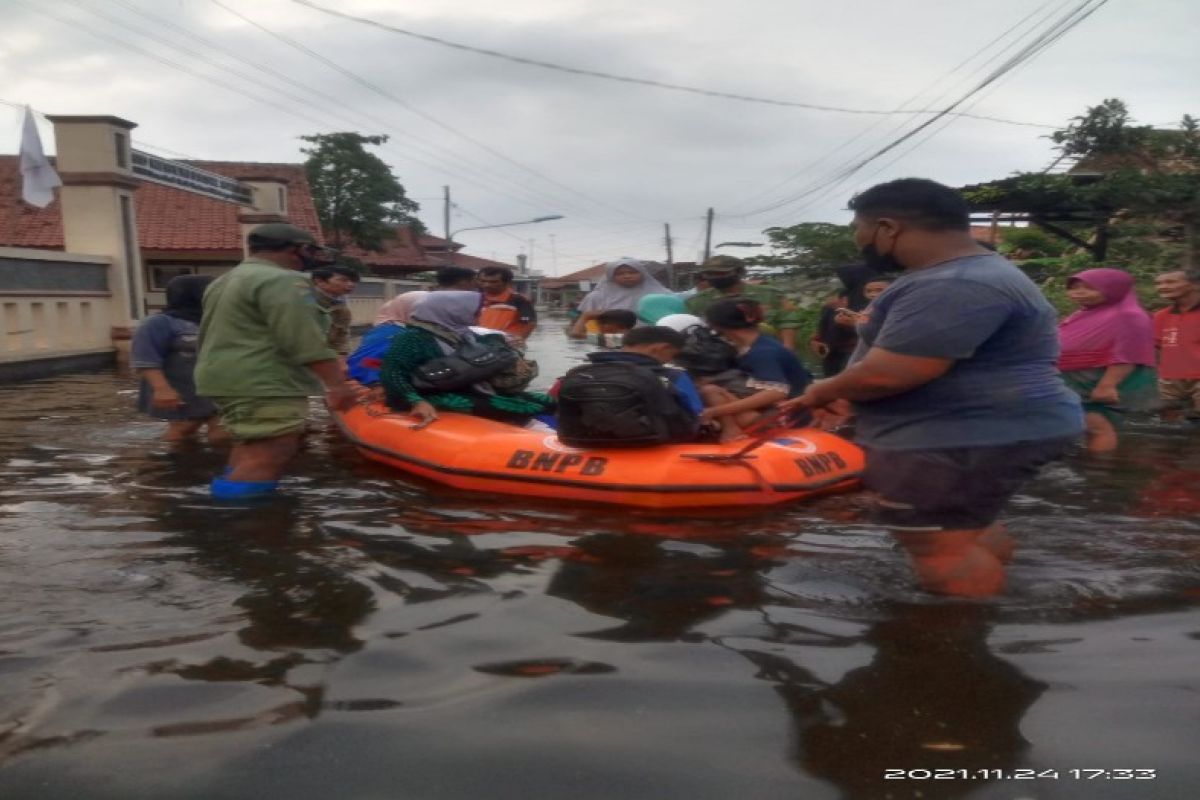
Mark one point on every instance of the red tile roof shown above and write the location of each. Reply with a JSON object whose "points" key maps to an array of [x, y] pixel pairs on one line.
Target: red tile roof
{"points": [[168, 219], [408, 253], [22, 225], [589, 274], [431, 242], [173, 220]]}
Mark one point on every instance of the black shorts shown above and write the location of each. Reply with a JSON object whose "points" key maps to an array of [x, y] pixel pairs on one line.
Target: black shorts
{"points": [[960, 488]]}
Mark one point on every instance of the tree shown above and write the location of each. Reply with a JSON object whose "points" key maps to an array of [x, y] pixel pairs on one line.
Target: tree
{"points": [[809, 247], [1132, 195], [358, 199]]}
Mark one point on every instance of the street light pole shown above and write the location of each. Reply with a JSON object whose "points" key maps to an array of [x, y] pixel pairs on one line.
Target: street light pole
{"points": [[450, 235]]}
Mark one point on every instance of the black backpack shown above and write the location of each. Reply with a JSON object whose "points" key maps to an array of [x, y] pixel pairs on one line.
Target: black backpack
{"points": [[619, 404], [470, 363], [706, 353]]}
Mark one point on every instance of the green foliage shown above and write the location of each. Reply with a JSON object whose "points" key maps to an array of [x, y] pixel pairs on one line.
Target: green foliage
{"points": [[1140, 185], [809, 247], [1024, 243], [1105, 129], [358, 199]]}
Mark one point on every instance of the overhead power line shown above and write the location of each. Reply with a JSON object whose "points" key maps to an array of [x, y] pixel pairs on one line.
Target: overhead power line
{"points": [[1013, 31], [1053, 33], [473, 173], [610, 76], [428, 117]]}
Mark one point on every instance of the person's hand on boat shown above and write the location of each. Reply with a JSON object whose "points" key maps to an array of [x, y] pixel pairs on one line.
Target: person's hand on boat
{"points": [[833, 416], [425, 413], [341, 397], [815, 396], [712, 413], [166, 398]]}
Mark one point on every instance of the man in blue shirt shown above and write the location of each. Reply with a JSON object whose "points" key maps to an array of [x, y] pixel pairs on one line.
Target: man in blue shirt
{"points": [[954, 384]]}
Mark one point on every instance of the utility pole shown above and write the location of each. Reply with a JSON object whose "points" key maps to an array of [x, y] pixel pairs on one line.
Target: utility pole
{"points": [[670, 258], [446, 223], [708, 235]]}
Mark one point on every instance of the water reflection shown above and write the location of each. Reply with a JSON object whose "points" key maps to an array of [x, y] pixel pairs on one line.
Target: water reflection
{"points": [[513, 648], [660, 590], [933, 697]]}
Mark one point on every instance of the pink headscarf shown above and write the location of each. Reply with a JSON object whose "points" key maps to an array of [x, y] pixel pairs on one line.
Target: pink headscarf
{"points": [[399, 307], [1119, 331]]}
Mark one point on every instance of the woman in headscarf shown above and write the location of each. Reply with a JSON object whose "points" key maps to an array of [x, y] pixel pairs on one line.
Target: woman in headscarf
{"points": [[397, 309], [363, 364], [626, 282], [164, 354], [437, 326], [1107, 352]]}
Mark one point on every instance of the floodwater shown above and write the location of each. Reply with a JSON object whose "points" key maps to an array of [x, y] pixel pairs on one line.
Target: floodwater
{"points": [[366, 636]]}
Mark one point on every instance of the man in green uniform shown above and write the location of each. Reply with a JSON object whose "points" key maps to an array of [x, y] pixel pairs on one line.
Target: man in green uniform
{"points": [[726, 278], [263, 352]]}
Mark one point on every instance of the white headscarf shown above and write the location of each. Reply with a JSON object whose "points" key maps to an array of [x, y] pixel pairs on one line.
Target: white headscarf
{"points": [[608, 295], [680, 322]]}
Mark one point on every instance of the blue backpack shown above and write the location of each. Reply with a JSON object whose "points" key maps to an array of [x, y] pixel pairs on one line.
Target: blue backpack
{"points": [[365, 362]]}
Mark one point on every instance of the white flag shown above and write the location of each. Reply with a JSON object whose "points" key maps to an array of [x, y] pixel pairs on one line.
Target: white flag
{"points": [[38, 178]]}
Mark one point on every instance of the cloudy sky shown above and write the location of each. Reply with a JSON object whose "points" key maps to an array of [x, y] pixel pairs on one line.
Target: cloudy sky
{"points": [[618, 160]]}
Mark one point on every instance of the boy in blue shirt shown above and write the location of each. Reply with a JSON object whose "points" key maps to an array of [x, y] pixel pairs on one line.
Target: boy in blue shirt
{"points": [[774, 373]]}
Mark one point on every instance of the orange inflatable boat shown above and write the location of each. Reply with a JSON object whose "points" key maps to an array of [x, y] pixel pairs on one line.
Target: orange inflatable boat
{"points": [[481, 455]]}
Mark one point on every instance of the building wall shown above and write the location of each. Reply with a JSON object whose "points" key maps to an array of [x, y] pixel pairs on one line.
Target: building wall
{"points": [[55, 310], [372, 293]]}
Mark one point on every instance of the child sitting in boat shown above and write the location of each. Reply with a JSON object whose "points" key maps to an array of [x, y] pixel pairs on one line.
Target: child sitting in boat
{"points": [[774, 373], [630, 397], [438, 329], [611, 326]]}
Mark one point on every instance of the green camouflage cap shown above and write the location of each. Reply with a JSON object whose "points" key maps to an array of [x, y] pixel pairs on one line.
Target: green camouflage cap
{"points": [[722, 264], [282, 232]]}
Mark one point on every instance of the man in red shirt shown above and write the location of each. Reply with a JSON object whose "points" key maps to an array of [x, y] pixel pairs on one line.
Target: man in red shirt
{"points": [[1177, 334], [503, 309]]}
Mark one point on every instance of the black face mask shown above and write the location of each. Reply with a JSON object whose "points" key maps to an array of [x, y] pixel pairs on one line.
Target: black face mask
{"points": [[880, 263], [724, 282]]}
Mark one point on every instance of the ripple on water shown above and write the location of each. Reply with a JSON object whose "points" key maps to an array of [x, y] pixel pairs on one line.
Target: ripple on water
{"points": [[368, 636]]}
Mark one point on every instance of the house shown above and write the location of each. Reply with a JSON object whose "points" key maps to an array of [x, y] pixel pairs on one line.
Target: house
{"points": [[179, 232], [409, 252], [78, 275]]}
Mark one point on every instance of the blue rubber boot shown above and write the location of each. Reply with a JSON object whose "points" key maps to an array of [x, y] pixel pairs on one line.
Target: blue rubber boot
{"points": [[225, 489]]}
